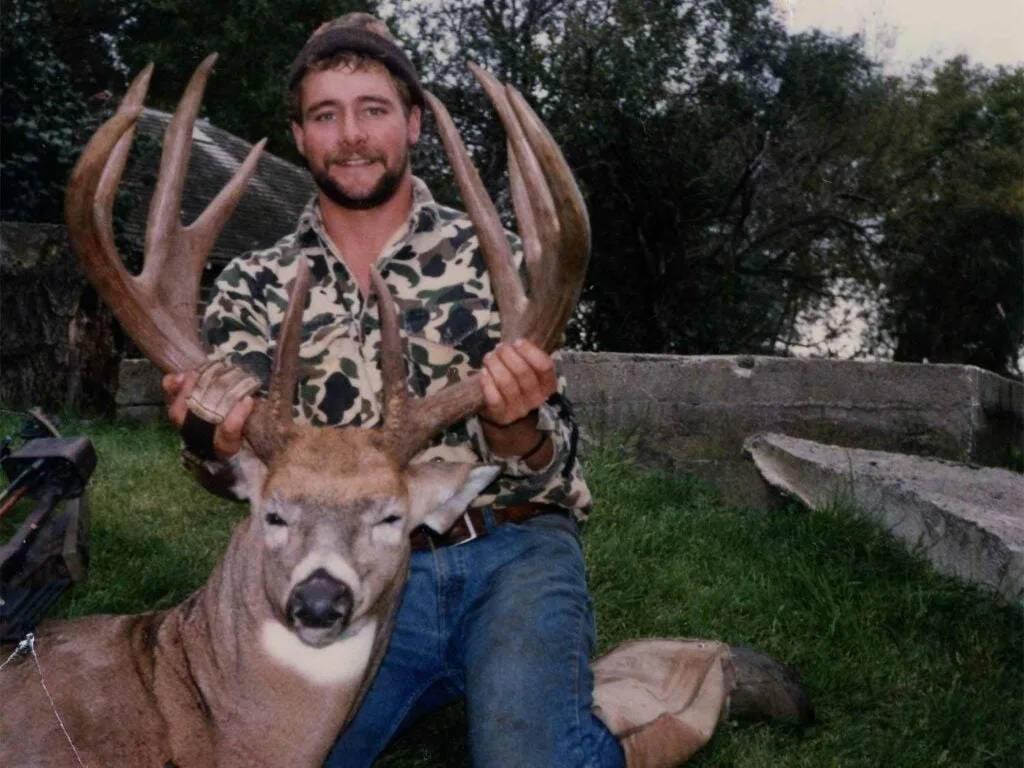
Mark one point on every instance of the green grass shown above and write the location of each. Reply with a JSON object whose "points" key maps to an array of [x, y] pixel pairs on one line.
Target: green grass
{"points": [[155, 535], [906, 667]]}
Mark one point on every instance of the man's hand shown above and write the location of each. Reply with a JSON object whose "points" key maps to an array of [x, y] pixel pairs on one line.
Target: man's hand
{"points": [[516, 380], [227, 438]]}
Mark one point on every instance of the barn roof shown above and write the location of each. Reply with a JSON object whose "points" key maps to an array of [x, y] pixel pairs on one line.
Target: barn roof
{"points": [[268, 210]]}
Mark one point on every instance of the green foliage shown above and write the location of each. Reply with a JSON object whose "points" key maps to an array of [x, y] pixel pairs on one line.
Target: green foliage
{"points": [[952, 256], [714, 215], [42, 119]]}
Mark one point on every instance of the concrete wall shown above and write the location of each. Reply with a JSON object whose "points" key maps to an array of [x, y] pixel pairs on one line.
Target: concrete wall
{"points": [[693, 413], [139, 397]]}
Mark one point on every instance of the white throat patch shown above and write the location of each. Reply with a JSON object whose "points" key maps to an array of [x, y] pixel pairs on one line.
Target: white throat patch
{"points": [[340, 662]]}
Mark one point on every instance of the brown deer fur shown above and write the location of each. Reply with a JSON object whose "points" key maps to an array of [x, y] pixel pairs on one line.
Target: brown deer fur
{"points": [[220, 680]]}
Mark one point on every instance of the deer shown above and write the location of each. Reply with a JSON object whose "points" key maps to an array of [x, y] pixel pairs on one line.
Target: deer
{"points": [[266, 662]]}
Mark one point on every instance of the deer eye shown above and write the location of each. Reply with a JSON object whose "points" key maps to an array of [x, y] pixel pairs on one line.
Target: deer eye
{"points": [[389, 520], [275, 519]]}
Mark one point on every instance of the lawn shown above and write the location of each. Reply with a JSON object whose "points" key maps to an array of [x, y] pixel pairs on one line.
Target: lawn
{"points": [[906, 667]]}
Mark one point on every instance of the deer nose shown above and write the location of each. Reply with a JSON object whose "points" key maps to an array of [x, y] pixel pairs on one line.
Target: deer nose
{"points": [[320, 602]]}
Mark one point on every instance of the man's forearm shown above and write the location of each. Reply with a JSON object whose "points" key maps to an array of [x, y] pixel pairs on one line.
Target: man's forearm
{"points": [[520, 439]]}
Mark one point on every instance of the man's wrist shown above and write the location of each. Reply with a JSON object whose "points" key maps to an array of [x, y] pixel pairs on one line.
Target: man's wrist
{"points": [[518, 440], [512, 439], [530, 418], [198, 435]]}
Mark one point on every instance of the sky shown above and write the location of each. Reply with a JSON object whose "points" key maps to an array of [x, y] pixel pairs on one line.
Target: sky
{"points": [[990, 32]]}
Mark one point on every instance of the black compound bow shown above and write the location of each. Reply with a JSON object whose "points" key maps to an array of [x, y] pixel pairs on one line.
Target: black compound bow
{"points": [[48, 550]]}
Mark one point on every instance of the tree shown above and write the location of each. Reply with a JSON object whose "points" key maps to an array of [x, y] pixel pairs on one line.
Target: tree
{"points": [[952, 248], [256, 41], [712, 148], [43, 119]]}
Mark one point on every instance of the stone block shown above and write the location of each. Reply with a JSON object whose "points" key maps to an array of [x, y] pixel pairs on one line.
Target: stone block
{"points": [[967, 520], [139, 385], [693, 413]]}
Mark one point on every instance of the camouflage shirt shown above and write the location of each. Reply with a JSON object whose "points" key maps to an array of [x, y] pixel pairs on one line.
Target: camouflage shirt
{"points": [[437, 276]]}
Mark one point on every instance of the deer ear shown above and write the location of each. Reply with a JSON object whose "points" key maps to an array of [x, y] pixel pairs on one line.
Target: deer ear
{"points": [[440, 491], [249, 475]]}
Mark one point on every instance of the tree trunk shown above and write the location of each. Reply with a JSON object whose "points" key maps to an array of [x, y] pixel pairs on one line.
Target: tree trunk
{"points": [[57, 340]]}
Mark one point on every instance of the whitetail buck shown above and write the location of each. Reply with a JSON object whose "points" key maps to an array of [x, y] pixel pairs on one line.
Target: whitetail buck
{"points": [[265, 663]]}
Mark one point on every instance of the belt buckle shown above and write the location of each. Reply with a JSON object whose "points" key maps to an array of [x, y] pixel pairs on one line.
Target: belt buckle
{"points": [[473, 533]]}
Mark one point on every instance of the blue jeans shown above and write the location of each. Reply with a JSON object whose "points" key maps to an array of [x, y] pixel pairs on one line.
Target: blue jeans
{"points": [[506, 622]]}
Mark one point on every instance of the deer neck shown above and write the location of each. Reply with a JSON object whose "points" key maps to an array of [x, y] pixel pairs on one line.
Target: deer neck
{"points": [[266, 696]]}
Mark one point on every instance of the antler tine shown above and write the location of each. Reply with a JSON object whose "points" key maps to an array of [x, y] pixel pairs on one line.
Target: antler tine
{"points": [[175, 255], [202, 233], [535, 210], [392, 359], [508, 291], [267, 429], [558, 286], [526, 222], [437, 411], [554, 218], [164, 221], [88, 219], [157, 308], [110, 179]]}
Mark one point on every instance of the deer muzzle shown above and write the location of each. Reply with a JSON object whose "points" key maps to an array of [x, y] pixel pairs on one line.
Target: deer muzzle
{"points": [[319, 608]]}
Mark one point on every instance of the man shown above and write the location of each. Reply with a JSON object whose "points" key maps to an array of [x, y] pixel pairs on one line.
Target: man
{"points": [[496, 611]]}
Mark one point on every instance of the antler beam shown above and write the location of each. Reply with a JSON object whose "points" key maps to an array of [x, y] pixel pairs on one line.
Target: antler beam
{"points": [[556, 238], [158, 307]]}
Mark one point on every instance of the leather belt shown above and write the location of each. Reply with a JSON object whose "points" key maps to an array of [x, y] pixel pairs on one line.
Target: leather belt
{"points": [[472, 524]]}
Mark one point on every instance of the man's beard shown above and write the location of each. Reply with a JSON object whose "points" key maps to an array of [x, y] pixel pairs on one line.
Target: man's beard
{"points": [[383, 191]]}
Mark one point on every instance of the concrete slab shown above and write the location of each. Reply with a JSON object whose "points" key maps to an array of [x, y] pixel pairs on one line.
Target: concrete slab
{"points": [[692, 414], [968, 520], [138, 387]]}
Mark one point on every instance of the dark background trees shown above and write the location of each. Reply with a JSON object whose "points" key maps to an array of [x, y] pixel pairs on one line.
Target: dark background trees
{"points": [[45, 111], [952, 253], [741, 181], [257, 41]]}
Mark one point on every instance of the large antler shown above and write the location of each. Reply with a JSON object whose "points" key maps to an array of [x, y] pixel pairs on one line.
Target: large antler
{"points": [[555, 232], [158, 308]]}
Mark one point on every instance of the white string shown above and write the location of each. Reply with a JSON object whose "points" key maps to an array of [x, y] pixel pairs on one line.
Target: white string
{"points": [[21, 650], [29, 645]]}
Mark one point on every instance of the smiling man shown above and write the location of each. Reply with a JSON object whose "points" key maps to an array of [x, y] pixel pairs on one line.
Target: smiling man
{"points": [[504, 620], [354, 130]]}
